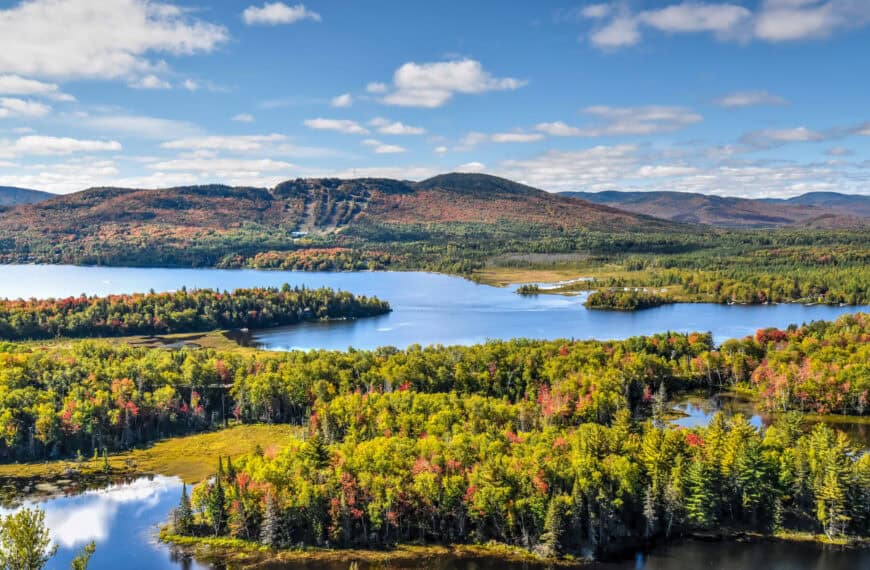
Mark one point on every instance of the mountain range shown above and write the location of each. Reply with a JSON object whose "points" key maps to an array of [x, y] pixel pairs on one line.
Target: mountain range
{"points": [[813, 210], [12, 196]]}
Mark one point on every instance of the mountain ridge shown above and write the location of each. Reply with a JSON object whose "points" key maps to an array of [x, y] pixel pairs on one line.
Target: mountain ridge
{"points": [[14, 196], [734, 212]]}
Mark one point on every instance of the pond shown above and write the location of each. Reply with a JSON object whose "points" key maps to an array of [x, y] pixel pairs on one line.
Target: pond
{"points": [[123, 519], [428, 308], [698, 409]]}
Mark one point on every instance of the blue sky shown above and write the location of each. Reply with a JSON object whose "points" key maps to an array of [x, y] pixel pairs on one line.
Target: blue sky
{"points": [[752, 98]]}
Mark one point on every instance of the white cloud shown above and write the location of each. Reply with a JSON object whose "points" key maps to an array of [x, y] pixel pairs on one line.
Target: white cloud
{"points": [[664, 171], [517, 137], [239, 143], [16, 85], [619, 32], [222, 166], [274, 13], [434, 84], [190, 85], [340, 125], [442, 150], [243, 118], [767, 138], [471, 167], [388, 127], [88, 39], [696, 17], [595, 11], [44, 145], [150, 82], [381, 148], [772, 21], [558, 129], [13, 107], [839, 151], [789, 20], [625, 121], [377, 87], [343, 100], [749, 99], [135, 125]]}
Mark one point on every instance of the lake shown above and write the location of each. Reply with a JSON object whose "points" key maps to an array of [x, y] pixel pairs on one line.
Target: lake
{"points": [[124, 519], [428, 308]]}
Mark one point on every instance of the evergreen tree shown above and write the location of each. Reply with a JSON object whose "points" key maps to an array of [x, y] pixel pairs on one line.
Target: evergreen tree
{"points": [[216, 503], [183, 514]]}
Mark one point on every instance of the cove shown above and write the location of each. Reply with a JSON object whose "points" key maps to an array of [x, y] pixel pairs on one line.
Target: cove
{"points": [[428, 308]]}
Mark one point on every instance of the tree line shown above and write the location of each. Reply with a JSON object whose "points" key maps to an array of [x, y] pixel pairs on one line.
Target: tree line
{"points": [[90, 395], [382, 469], [178, 312]]}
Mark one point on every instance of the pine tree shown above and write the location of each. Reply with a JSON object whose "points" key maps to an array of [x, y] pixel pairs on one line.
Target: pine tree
{"points": [[700, 499], [216, 505], [183, 515], [555, 525]]}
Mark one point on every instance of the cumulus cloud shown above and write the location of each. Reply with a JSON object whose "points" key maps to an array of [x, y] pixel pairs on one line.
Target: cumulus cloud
{"points": [[44, 145], [107, 40], [388, 127], [432, 85], [749, 99], [11, 84], [343, 100], [14, 107], [275, 13], [382, 148], [617, 26], [345, 126]]}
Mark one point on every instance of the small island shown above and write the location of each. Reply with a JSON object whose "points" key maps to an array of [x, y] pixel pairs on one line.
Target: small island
{"points": [[631, 300], [180, 311], [529, 289]]}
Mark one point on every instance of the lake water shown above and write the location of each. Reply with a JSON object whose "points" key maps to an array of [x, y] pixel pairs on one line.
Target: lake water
{"points": [[428, 308], [124, 519]]}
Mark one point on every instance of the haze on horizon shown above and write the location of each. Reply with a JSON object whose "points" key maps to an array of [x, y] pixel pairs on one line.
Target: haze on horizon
{"points": [[755, 98]]}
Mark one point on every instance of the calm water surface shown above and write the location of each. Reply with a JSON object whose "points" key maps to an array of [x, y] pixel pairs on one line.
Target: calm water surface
{"points": [[427, 308]]}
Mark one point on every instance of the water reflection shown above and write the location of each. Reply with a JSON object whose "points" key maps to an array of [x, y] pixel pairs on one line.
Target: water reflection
{"points": [[123, 520], [696, 410]]}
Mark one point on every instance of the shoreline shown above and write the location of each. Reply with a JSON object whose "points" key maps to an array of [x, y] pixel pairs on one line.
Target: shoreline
{"points": [[211, 549]]}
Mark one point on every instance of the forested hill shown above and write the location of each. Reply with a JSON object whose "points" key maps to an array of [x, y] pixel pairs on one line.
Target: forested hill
{"points": [[849, 204], [201, 225], [818, 210], [12, 196]]}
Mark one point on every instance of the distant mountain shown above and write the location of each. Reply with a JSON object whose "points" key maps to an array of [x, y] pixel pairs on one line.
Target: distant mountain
{"points": [[848, 204], [738, 212], [11, 196], [202, 224]]}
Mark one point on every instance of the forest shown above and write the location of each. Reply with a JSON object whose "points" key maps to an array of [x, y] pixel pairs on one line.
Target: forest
{"points": [[177, 312], [88, 396], [631, 300], [408, 466]]}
